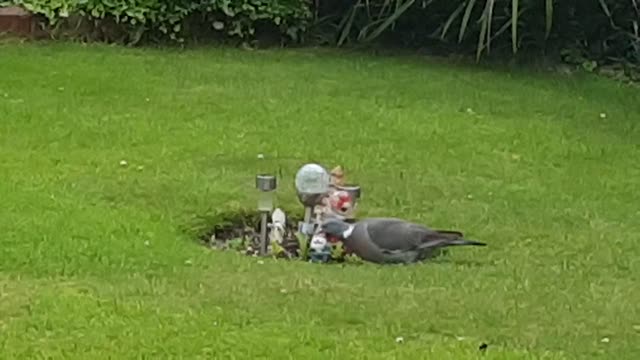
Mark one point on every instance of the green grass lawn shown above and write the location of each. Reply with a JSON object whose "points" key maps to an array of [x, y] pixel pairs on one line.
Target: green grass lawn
{"points": [[101, 261]]}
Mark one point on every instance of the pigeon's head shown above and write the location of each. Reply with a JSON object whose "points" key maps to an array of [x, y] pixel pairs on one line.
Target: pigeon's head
{"points": [[336, 228]]}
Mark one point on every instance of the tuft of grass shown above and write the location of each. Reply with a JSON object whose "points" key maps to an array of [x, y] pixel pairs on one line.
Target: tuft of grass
{"points": [[99, 260]]}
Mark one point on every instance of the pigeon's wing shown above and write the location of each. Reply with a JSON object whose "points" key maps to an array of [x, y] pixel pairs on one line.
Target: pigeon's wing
{"points": [[360, 244], [400, 256], [396, 234], [397, 240]]}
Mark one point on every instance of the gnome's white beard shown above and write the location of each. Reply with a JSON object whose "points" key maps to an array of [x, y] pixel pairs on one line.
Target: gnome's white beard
{"points": [[348, 232]]}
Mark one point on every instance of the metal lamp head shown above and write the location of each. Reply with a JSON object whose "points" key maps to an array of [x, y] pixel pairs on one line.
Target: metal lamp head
{"points": [[266, 184]]}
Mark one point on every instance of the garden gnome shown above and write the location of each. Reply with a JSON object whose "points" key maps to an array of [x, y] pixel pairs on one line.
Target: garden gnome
{"points": [[319, 249], [341, 204], [338, 202], [337, 176], [391, 240]]}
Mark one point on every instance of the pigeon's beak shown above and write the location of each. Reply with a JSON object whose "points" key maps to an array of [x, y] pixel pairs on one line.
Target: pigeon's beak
{"points": [[325, 228]]}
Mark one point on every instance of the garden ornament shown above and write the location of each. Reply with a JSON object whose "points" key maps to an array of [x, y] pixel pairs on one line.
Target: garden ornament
{"points": [[337, 204], [340, 199], [337, 176], [319, 249], [277, 227], [391, 240]]}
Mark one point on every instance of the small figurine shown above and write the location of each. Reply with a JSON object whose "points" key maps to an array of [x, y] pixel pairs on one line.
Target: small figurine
{"points": [[319, 249], [337, 176], [336, 202], [341, 204], [277, 226]]}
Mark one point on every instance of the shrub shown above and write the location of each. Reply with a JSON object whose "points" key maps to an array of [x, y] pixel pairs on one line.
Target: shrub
{"points": [[585, 32], [601, 29], [236, 18]]}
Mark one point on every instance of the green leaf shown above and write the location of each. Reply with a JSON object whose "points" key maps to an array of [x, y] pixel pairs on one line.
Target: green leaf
{"points": [[451, 19], [465, 19], [489, 20], [303, 244], [346, 23], [549, 16], [390, 20], [483, 31], [337, 251], [604, 7], [514, 25]]}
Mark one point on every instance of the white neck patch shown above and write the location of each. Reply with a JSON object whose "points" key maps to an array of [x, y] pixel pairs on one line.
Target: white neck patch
{"points": [[348, 232]]}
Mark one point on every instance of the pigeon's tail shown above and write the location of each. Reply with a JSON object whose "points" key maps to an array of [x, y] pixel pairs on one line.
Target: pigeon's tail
{"points": [[454, 238], [444, 242], [461, 242]]}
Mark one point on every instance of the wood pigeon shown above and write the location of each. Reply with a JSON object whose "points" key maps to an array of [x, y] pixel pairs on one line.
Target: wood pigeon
{"points": [[391, 240]]}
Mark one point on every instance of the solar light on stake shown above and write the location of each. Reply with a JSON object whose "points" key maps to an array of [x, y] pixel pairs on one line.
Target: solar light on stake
{"points": [[312, 184], [266, 184]]}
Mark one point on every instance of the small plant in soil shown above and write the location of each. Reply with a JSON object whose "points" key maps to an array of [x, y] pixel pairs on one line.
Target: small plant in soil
{"points": [[241, 232]]}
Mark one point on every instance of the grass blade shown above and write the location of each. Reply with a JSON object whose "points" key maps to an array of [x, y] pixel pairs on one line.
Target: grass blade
{"points": [[549, 16], [465, 19], [346, 24], [390, 20], [363, 32], [483, 31], [383, 9], [504, 27], [489, 20], [514, 25], [451, 19], [605, 8]]}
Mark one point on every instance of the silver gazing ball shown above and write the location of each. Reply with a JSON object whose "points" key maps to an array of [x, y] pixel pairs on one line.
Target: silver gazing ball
{"points": [[312, 182]]}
